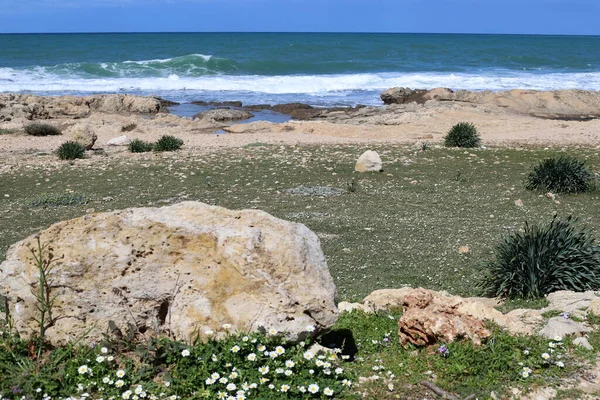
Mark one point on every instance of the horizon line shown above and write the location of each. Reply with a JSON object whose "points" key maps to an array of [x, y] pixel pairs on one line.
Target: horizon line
{"points": [[295, 32]]}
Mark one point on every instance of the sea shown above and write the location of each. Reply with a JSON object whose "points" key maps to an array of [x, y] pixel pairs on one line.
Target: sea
{"points": [[320, 69]]}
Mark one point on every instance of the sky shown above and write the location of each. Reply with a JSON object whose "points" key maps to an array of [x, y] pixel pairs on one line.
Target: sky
{"points": [[572, 17]]}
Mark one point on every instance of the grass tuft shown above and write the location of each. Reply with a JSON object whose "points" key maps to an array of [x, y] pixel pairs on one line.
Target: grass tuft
{"points": [[544, 259], [168, 143], [71, 150], [140, 146], [560, 175], [463, 134]]}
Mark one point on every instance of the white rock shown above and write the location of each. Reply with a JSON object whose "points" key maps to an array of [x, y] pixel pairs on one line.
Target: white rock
{"points": [[369, 161], [119, 141], [559, 326], [583, 342]]}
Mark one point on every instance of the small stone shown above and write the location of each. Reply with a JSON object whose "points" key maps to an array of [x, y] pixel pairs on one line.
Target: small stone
{"points": [[519, 203], [583, 342], [464, 249]]}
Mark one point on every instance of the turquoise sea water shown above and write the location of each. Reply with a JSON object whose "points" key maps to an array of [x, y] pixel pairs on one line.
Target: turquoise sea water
{"points": [[319, 69]]}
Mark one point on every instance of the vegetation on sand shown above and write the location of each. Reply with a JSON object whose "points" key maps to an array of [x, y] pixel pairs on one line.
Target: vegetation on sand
{"points": [[140, 146], [70, 150], [168, 143], [40, 129], [463, 134]]}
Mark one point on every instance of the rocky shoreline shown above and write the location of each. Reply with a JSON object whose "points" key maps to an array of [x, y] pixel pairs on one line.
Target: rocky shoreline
{"points": [[515, 117]]}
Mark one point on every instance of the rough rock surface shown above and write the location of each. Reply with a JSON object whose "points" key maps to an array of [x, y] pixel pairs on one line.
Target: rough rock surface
{"points": [[426, 321], [369, 161], [181, 269], [84, 134], [559, 326], [32, 107], [223, 114]]}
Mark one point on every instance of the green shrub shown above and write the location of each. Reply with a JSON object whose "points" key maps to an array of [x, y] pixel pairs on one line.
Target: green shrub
{"points": [[38, 129], [463, 134], [560, 175], [70, 150], [139, 146], [542, 260], [168, 143], [128, 127]]}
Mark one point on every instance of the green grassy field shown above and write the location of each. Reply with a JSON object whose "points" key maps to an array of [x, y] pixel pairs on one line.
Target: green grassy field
{"points": [[403, 226]]}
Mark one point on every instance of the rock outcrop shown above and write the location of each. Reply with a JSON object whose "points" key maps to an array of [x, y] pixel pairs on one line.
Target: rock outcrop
{"points": [[426, 321], [180, 270], [30, 107], [223, 115]]}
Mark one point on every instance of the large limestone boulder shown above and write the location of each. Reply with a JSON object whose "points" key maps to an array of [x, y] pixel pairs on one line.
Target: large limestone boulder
{"points": [[369, 161], [182, 270], [84, 134]]}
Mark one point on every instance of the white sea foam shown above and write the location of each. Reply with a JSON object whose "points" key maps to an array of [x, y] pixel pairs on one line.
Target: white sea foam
{"points": [[39, 80], [168, 60]]}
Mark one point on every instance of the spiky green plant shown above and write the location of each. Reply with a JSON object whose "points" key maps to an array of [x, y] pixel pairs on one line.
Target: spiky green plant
{"points": [[140, 146], [543, 259], [463, 134], [39, 129], [168, 143], [564, 174], [70, 150]]}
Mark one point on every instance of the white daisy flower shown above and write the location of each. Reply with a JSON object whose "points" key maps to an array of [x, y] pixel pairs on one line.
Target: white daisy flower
{"points": [[313, 388]]}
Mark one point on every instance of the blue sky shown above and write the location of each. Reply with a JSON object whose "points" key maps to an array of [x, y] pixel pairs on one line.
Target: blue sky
{"points": [[440, 16]]}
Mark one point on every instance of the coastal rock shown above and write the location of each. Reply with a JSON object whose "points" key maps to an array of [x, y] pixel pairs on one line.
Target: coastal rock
{"points": [[124, 103], [397, 95], [32, 107], [181, 270], [369, 161], [83, 133], [119, 141], [222, 115], [252, 127], [425, 322]]}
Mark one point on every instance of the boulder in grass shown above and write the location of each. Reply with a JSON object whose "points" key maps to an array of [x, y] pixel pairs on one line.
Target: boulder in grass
{"points": [[179, 270], [369, 161]]}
